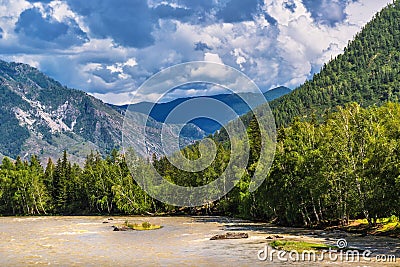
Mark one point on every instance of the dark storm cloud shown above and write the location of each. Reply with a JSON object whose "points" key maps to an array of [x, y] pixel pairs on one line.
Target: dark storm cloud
{"points": [[238, 10], [1, 33], [32, 27], [127, 22], [32, 24]]}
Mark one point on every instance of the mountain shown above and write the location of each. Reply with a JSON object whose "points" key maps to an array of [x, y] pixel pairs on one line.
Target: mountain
{"points": [[160, 111], [40, 116], [275, 93], [368, 72]]}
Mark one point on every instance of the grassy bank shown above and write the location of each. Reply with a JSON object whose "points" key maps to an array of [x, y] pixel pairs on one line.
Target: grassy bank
{"points": [[299, 246], [382, 227]]}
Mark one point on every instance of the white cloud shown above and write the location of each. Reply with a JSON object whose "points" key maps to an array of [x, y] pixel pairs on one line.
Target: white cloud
{"points": [[212, 58], [117, 99], [115, 68], [240, 57], [285, 51], [131, 62], [31, 60], [305, 45], [60, 11], [9, 13], [283, 15], [360, 12]]}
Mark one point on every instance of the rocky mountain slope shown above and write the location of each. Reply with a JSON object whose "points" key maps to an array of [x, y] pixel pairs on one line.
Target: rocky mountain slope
{"points": [[40, 116]]}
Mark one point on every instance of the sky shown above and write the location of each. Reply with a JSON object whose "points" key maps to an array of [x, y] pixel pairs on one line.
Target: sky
{"points": [[108, 48]]}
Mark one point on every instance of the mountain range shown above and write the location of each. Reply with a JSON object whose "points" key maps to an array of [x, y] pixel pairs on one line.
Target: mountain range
{"points": [[40, 116], [160, 111]]}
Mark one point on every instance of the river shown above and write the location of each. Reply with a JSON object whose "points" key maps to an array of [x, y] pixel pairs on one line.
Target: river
{"points": [[183, 241]]}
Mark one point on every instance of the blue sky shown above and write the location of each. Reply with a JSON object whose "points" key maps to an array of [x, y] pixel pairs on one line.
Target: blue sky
{"points": [[108, 48]]}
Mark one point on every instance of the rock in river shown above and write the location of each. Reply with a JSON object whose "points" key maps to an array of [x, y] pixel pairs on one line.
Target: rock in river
{"points": [[120, 228], [230, 235]]}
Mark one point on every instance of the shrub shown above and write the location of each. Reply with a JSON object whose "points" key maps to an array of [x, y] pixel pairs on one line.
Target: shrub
{"points": [[146, 225]]}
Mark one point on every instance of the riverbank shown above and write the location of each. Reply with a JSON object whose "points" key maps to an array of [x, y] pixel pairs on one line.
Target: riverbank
{"points": [[383, 227]]}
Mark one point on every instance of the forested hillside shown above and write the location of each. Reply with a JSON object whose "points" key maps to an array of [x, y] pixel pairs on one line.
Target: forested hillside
{"points": [[368, 72], [347, 167]]}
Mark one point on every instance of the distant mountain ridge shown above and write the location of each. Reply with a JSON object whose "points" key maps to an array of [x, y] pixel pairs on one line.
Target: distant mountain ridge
{"points": [[160, 111], [40, 116]]}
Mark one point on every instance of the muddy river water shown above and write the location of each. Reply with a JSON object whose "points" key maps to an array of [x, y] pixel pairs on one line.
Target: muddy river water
{"points": [[183, 241]]}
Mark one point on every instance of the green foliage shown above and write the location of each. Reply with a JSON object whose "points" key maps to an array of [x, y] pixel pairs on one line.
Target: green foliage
{"points": [[142, 227], [21, 188], [146, 225], [367, 73], [103, 186], [343, 168], [393, 219], [11, 132], [299, 246], [335, 160]]}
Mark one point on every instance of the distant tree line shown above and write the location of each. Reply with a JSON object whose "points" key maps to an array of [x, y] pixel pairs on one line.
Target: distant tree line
{"points": [[102, 186]]}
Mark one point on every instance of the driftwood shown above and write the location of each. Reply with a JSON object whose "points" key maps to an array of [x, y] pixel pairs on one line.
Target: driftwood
{"points": [[230, 235]]}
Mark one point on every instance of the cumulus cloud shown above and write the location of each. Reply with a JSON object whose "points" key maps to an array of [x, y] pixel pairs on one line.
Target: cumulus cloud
{"points": [[304, 41], [327, 12], [109, 48], [34, 27], [127, 22], [360, 12], [212, 58], [10, 12]]}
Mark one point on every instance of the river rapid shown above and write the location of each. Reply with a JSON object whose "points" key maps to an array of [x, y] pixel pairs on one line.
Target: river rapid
{"points": [[183, 241]]}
